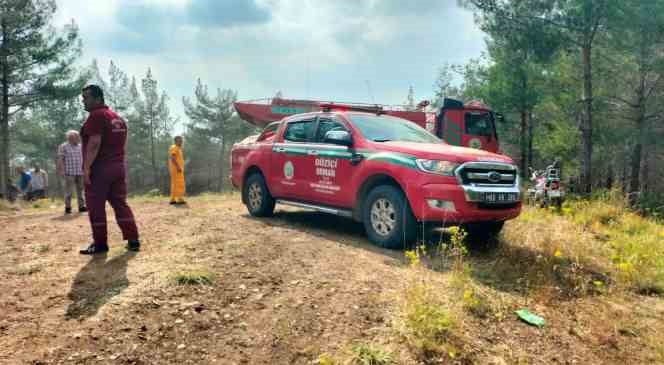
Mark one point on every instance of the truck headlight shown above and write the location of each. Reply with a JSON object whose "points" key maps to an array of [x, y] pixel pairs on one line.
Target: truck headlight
{"points": [[439, 167]]}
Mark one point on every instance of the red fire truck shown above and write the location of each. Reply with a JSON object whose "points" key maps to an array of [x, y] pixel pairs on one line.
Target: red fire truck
{"points": [[458, 124]]}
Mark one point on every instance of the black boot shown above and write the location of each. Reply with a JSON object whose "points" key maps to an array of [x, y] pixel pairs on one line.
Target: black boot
{"points": [[133, 245], [94, 249]]}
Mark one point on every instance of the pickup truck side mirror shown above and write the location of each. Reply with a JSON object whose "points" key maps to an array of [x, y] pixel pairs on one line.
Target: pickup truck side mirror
{"points": [[500, 118], [342, 138]]}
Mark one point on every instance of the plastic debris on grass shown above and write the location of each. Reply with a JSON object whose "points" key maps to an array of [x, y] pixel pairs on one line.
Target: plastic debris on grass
{"points": [[530, 318]]}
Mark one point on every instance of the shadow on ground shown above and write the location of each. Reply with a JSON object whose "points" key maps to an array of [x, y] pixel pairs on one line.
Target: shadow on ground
{"points": [[348, 232], [67, 217], [496, 263], [97, 282]]}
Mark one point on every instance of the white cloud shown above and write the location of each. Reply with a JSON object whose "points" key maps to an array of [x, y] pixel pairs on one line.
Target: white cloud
{"points": [[305, 48]]}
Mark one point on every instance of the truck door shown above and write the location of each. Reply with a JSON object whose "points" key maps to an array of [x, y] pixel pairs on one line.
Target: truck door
{"points": [[332, 169], [450, 126], [480, 131], [290, 165]]}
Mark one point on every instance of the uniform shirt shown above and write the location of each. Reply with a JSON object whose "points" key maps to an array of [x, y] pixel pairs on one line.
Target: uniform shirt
{"points": [[113, 130], [39, 180], [73, 158], [176, 152]]}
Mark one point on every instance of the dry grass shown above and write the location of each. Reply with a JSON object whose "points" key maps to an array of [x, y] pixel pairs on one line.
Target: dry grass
{"points": [[5, 206], [28, 269]]}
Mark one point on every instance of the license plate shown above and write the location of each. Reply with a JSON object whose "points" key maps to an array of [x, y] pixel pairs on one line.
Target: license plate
{"points": [[554, 194], [500, 197]]}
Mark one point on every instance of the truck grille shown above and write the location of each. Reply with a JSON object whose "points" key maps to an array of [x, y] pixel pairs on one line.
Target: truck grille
{"points": [[487, 174]]}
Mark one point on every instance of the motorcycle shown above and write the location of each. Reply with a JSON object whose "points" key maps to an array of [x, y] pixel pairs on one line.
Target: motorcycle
{"points": [[546, 188]]}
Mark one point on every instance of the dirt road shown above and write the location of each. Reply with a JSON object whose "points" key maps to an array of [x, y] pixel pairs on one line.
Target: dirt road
{"points": [[282, 290]]}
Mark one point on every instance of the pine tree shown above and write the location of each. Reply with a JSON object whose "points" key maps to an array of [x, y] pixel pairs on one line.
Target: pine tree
{"points": [[213, 118], [155, 114], [36, 63]]}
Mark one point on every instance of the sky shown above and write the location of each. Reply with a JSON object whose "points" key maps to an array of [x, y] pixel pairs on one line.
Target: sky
{"points": [[343, 50]]}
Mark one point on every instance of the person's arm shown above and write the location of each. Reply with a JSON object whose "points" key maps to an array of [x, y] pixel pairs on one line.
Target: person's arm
{"points": [[175, 162], [126, 158], [60, 162], [91, 151]]}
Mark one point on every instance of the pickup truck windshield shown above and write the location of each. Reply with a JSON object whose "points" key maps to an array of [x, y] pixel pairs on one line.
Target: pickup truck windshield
{"points": [[384, 128]]}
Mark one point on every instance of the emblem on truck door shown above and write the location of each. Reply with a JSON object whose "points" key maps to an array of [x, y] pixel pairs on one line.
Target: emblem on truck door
{"points": [[289, 170]]}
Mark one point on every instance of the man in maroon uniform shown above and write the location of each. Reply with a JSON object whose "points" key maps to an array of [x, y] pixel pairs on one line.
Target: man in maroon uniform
{"points": [[104, 136]]}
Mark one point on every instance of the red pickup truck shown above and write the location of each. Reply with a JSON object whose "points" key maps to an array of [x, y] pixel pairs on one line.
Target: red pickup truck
{"points": [[384, 171]]}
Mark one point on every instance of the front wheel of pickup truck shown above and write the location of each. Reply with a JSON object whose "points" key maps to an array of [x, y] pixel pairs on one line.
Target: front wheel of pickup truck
{"points": [[257, 197], [387, 218]]}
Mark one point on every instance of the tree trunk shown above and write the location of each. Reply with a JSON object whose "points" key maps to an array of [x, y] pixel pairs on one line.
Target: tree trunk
{"points": [[209, 175], [625, 173], [221, 164], [530, 138], [609, 176], [635, 171], [635, 184], [4, 118], [587, 122], [645, 169], [155, 172], [524, 145]]}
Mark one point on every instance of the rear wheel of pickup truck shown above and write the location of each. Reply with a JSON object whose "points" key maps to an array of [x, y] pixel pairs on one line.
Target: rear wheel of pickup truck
{"points": [[257, 197], [387, 218], [481, 233]]}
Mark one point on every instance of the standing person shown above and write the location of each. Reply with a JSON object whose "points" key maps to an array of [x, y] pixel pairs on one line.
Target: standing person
{"points": [[104, 136], [39, 183], [24, 182], [70, 166], [176, 169]]}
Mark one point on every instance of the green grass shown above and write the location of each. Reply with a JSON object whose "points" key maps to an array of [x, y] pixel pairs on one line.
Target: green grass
{"points": [[193, 277], [326, 359], [43, 248], [367, 354], [427, 322], [621, 243]]}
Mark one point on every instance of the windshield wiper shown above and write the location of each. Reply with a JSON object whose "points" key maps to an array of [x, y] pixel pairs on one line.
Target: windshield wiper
{"points": [[381, 140]]}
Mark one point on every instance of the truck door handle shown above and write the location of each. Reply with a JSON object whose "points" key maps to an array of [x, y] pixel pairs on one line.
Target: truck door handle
{"points": [[281, 149], [312, 152], [356, 158]]}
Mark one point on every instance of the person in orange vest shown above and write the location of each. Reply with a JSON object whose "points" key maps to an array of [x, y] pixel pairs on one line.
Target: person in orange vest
{"points": [[176, 169]]}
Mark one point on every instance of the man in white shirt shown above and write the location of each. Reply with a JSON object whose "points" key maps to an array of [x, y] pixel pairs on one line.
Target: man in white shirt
{"points": [[39, 183], [70, 166]]}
